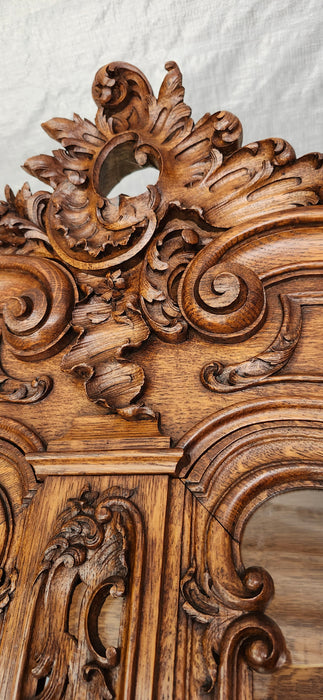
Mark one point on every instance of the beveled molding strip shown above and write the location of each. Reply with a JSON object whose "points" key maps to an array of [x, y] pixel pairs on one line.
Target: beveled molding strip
{"points": [[97, 445], [144, 461]]}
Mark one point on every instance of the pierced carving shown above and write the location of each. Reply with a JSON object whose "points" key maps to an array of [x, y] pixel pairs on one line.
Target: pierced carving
{"points": [[190, 250], [97, 538], [133, 129]]}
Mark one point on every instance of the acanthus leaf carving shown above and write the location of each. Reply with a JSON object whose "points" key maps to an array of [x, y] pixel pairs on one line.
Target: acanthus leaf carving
{"points": [[264, 177], [109, 322], [90, 546], [184, 244], [21, 391], [164, 265], [22, 228]]}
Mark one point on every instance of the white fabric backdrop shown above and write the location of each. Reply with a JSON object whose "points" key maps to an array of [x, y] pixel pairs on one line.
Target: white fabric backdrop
{"points": [[261, 59]]}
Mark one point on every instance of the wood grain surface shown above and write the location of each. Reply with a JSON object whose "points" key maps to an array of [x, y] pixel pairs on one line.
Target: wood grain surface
{"points": [[162, 391]]}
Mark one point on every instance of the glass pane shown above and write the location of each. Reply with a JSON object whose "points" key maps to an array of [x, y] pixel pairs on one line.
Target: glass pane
{"points": [[285, 537]]}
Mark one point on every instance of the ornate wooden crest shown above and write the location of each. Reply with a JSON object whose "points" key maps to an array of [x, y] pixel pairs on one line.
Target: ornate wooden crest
{"points": [[225, 247], [187, 253]]}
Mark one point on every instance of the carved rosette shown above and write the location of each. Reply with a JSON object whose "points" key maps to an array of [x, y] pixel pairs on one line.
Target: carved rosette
{"points": [[187, 253], [97, 548]]}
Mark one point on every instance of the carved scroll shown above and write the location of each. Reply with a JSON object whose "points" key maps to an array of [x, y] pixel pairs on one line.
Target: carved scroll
{"points": [[189, 252], [37, 301], [97, 547], [260, 369], [17, 391], [223, 292], [236, 461]]}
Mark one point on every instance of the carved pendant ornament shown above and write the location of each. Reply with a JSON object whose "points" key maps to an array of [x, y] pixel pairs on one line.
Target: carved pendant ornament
{"points": [[193, 251]]}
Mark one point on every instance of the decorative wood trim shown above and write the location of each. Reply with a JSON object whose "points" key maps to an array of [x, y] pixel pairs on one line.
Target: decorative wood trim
{"points": [[260, 369], [198, 250], [113, 462], [17, 488], [226, 237], [85, 449], [89, 545], [234, 462]]}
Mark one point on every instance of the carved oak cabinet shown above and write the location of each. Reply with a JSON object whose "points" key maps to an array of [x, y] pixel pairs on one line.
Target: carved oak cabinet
{"points": [[161, 378]]}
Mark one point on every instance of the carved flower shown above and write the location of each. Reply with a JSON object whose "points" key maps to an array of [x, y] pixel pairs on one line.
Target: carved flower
{"points": [[107, 297]]}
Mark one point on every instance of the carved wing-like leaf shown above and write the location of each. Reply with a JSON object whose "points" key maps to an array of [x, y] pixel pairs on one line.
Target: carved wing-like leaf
{"points": [[107, 330], [77, 135], [22, 222], [81, 140], [260, 178], [169, 116]]}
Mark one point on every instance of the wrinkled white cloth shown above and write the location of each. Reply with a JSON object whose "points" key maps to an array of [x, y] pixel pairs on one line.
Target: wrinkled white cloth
{"points": [[260, 59]]}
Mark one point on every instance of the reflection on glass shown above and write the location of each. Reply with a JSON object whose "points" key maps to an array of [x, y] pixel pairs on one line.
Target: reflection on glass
{"points": [[285, 537]]}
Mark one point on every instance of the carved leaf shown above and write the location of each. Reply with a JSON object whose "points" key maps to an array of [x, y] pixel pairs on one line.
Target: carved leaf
{"points": [[18, 391], [207, 184], [22, 221], [165, 262], [259, 178], [78, 136], [120, 91], [107, 329], [89, 547]]}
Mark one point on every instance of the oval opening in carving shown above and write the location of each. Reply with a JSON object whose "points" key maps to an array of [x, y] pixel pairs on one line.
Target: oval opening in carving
{"points": [[109, 622], [285, 537], [119, 172], [5, 525], [104, 619]]}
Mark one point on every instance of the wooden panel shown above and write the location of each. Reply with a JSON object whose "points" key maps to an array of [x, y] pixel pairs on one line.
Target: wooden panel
{"points": [[150, 495]]}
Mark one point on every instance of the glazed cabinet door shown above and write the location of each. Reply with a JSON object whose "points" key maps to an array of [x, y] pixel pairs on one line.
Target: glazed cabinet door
{"points": [[161, 387]]}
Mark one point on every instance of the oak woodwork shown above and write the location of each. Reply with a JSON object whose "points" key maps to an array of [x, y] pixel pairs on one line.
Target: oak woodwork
{"points": [[161, 379], [285, 536]]}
